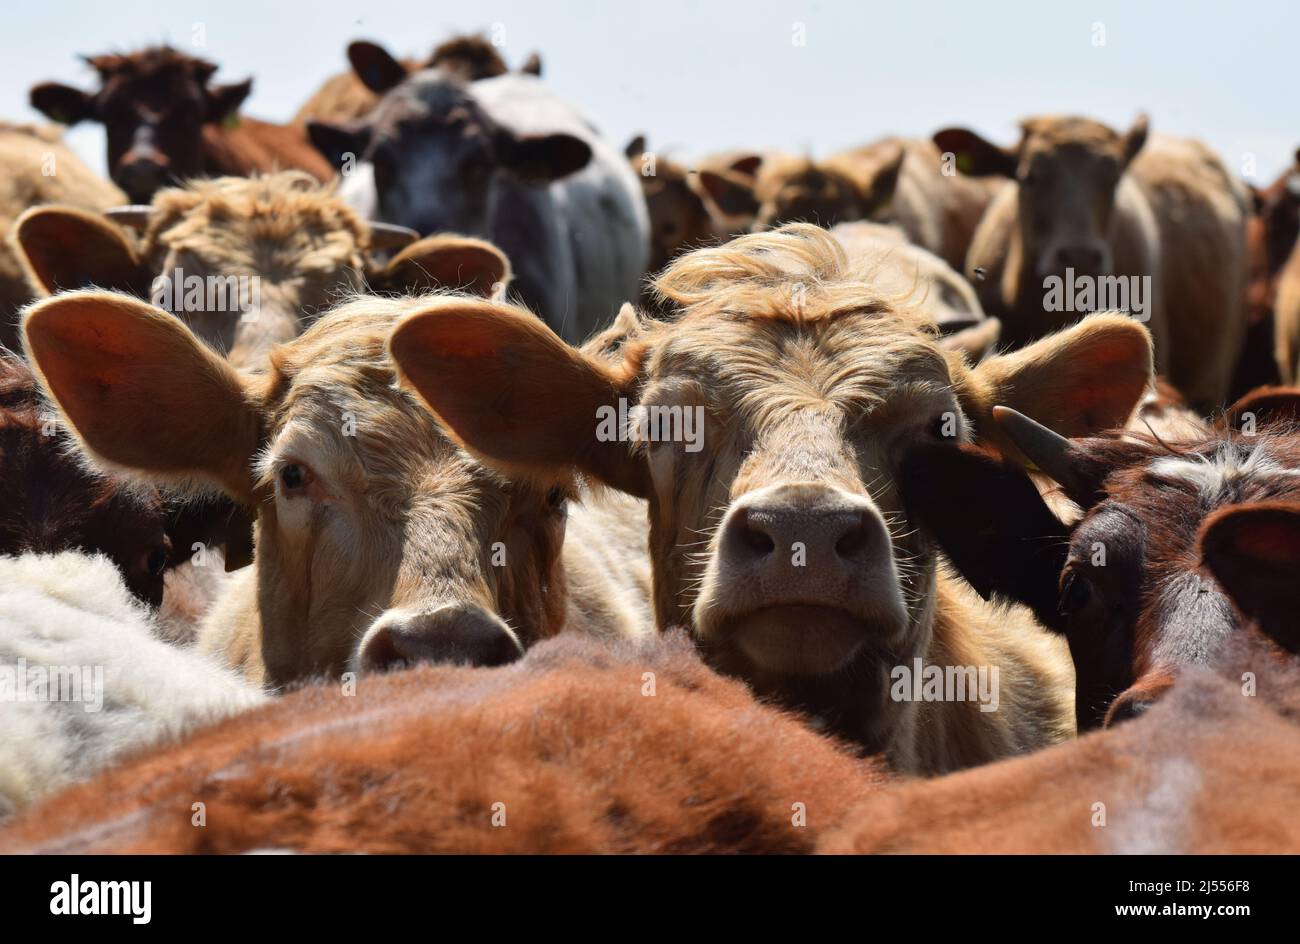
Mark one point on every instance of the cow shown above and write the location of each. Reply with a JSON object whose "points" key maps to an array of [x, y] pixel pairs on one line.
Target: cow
{"points": [[344, 97], [206, 247], [166, 122], [53, 502], [580, 747], [1156, 227], [378, 541], [1211, 769], [88, 682], [38, 168], [898, 181], [1274, 235], [763, 423], [1122, 583], [680, 219], [506, 160]]}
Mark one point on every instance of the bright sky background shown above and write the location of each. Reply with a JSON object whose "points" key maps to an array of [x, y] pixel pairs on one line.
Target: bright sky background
{"points": [[702, 76]]}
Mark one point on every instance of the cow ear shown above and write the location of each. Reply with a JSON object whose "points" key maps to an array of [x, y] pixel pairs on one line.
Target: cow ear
{"points": [[1078, 382], [532, 65], [66, 248], [990, 521], [62, 103], [880, 189], [1262, 406], [515, 394], [224, 100], [1136, 137], [1253, 551], [732, 195], [635, 148], [375, 66], [142, 392], [337, 141], [542, 158], [747, 165], [974, 155], [455, 262]]}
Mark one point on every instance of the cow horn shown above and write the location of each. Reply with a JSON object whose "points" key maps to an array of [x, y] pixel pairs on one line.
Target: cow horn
{"points": [[391, 236], [1049, 450], [135, 216]]}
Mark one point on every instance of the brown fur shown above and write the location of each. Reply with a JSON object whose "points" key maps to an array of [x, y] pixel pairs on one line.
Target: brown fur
{"points": [[26, 153], [53, 502], [161, 111], [587, 749], [822, 381], [390, 515]]}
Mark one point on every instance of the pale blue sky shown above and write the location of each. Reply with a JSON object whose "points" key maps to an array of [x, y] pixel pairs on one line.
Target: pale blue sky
{"points": [[703, 76]]}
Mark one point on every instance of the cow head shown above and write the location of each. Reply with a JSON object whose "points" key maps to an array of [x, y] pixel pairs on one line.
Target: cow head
{"points": [[768, 420], [1066, 171], [679, 218], [1124, 582], [379, 542], [798, 189], [1271, 235], [153, 105], [246, 263], [53, 502], [438, 157]]}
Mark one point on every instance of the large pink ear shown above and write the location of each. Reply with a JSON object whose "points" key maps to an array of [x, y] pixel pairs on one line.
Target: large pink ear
{"points": [[1253, 551], [142, 392], [67, 248], [515, 394]]}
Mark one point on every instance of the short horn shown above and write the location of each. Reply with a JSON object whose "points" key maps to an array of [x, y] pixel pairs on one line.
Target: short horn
{"points": [[1051, 452], [135, 216], [391, 236]]}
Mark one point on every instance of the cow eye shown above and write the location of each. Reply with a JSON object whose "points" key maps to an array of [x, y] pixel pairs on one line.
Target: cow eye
{"points": [[1076, 591], [156, 562], [555, 497], [294, 478]]}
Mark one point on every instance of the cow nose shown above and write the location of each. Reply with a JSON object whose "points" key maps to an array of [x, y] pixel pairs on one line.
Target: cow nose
{"points": [[141, 177], [1083, 259], [795, 530], [456, 633]]}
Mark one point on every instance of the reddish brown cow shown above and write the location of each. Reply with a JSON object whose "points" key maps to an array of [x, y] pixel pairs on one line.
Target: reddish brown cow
{"points": [[578, 748], [53, 502], [1213, 768], [1123, 584], [167, 122]]}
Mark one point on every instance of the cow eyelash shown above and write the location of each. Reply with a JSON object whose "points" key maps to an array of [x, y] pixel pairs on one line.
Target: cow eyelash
{"points": [[1076, 591], [294, 478]]}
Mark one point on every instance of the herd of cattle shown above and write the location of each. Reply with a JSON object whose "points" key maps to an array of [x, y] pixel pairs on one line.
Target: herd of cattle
{"points": [[431, 474]]}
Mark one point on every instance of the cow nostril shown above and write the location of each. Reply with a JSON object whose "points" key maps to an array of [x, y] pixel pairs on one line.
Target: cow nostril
{"points": [[852, 541], [755, 538], [453, 634]]}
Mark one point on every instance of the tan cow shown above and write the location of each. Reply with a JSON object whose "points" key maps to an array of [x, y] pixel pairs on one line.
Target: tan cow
{"points": [[287, 236], [1093, 213], [894, 180], [38, 168], [770, 413], [379, 542]]}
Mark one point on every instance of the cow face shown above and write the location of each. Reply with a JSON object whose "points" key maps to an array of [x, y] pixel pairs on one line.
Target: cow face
{"points": [[247, 264], [439, 159], [769, 419], [1066, 171], [153, 105], [1271, 234], [679, 218], [797, 189], [1124, 583], [54, 503], [379, 542]]}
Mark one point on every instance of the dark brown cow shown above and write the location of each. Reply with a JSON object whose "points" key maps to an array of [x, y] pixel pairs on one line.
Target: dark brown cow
{"points": [[1214, 768], [679, 216], [167, 122], [577, 748], [52, 502], [1124, 583]]}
